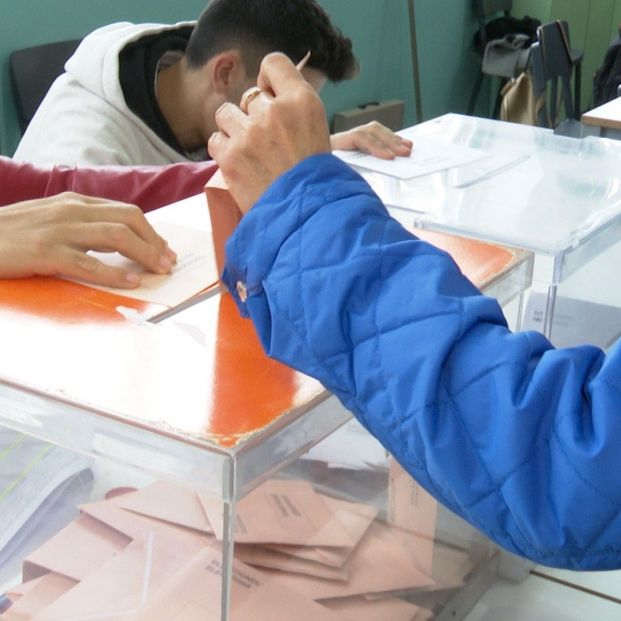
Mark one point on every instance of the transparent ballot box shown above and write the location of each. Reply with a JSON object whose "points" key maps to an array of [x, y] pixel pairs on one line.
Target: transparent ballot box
{"points": [[525, 187], [156, 465]]}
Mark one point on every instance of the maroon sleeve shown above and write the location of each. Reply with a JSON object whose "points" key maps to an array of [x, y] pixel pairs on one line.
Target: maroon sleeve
{"points": [[148, 187]]}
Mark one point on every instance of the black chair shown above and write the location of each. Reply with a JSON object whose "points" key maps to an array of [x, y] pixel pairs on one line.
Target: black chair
{"points": [[486, 9], [32, 71], [553, 63]]}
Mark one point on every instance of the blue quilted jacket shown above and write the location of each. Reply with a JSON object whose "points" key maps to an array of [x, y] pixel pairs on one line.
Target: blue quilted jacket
{"points": [[520, 439]]}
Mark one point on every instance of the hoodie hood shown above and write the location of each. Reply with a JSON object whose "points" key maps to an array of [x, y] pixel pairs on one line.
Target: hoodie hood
{"points": [[95, 64]]}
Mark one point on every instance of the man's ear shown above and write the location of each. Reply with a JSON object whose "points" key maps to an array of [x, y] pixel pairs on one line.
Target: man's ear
{"points": [[226, 72]]}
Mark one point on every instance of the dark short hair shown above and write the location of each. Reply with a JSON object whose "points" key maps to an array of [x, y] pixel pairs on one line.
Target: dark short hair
{"points": [[258, 27]]}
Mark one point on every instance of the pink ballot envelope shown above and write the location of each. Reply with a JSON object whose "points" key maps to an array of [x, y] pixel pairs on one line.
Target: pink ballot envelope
{"points": [[388, 608], [260, 556], [450, 565], [225, 215], [193, 594], [281, 511], [19, 590], [37, 594], [413, 509], [374, 566], [167, 502], [354, 517], [77, 550], [122, 586], [135, 526]]}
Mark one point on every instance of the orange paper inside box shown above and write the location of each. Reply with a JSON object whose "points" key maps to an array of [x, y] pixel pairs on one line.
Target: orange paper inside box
{"points": [[225, 215]]}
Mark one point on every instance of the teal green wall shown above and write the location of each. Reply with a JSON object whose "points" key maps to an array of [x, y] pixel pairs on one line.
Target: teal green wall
{"points": [[447, 65], [378, 28], [380, 34]]}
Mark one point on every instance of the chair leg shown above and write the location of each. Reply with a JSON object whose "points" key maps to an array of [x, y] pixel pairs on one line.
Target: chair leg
{"points": [[475, 94], [496, 113], [577, 86]]}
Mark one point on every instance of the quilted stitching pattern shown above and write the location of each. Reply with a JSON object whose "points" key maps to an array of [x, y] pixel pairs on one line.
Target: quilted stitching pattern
{"points": [[518, 438]]}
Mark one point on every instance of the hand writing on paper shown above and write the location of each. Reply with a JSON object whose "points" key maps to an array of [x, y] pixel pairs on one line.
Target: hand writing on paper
{"points": [[285, 123], [374, 139], [51, 237]]}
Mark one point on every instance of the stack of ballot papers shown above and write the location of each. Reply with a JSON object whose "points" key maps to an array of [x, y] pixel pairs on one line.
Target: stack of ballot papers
{"points": [[156, 554]]}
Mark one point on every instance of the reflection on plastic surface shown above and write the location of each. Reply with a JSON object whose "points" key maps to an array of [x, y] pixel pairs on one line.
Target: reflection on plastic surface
{"points": [[208, 381], [547, 203], [67, 302]]}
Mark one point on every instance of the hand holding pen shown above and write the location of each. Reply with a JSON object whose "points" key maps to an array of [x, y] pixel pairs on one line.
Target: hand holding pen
{"points": [[278, 123]]}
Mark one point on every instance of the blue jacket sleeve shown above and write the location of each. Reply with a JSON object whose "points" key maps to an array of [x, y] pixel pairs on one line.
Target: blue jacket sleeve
{"points": [[520, 439]]}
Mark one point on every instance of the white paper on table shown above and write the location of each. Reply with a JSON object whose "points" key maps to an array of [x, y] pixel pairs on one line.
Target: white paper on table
{"points": [[34, 476], [194, 271], [429, 155]]}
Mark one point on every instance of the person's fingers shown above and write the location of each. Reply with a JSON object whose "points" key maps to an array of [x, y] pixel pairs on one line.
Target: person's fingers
{"points": [[216, 145], [76, 264], [135, 219], [279, 75], [98, 210], [115, 237], [229, 118], [402, 148], [387, 138], [368, 142]]}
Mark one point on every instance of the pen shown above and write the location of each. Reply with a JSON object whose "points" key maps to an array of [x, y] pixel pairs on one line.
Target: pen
{"points": [[303, 62]]}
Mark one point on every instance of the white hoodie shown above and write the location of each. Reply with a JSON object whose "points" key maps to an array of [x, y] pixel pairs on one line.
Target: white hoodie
{"points": [[84, 119]]}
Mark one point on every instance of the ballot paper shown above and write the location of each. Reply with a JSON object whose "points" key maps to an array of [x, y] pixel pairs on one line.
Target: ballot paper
{"points": [[281, 512], [192, 595], [385, 609], [77, 550], [36, 478], [576, 322], [451, 565], [194, 271], [150, 554], [375, 567], [263, 556], [413, 509], [121, 586], [429, 155], [354, 517], [168, 502], [135, 525], [36, 595]]}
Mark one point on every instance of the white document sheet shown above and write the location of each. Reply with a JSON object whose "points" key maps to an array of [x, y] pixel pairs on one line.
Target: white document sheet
{"points": [[34, 476], [429, 155], [194, 271]]}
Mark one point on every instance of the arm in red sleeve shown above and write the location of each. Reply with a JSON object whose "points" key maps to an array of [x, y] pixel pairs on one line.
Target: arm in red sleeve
{"points": [[148, 187]]}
